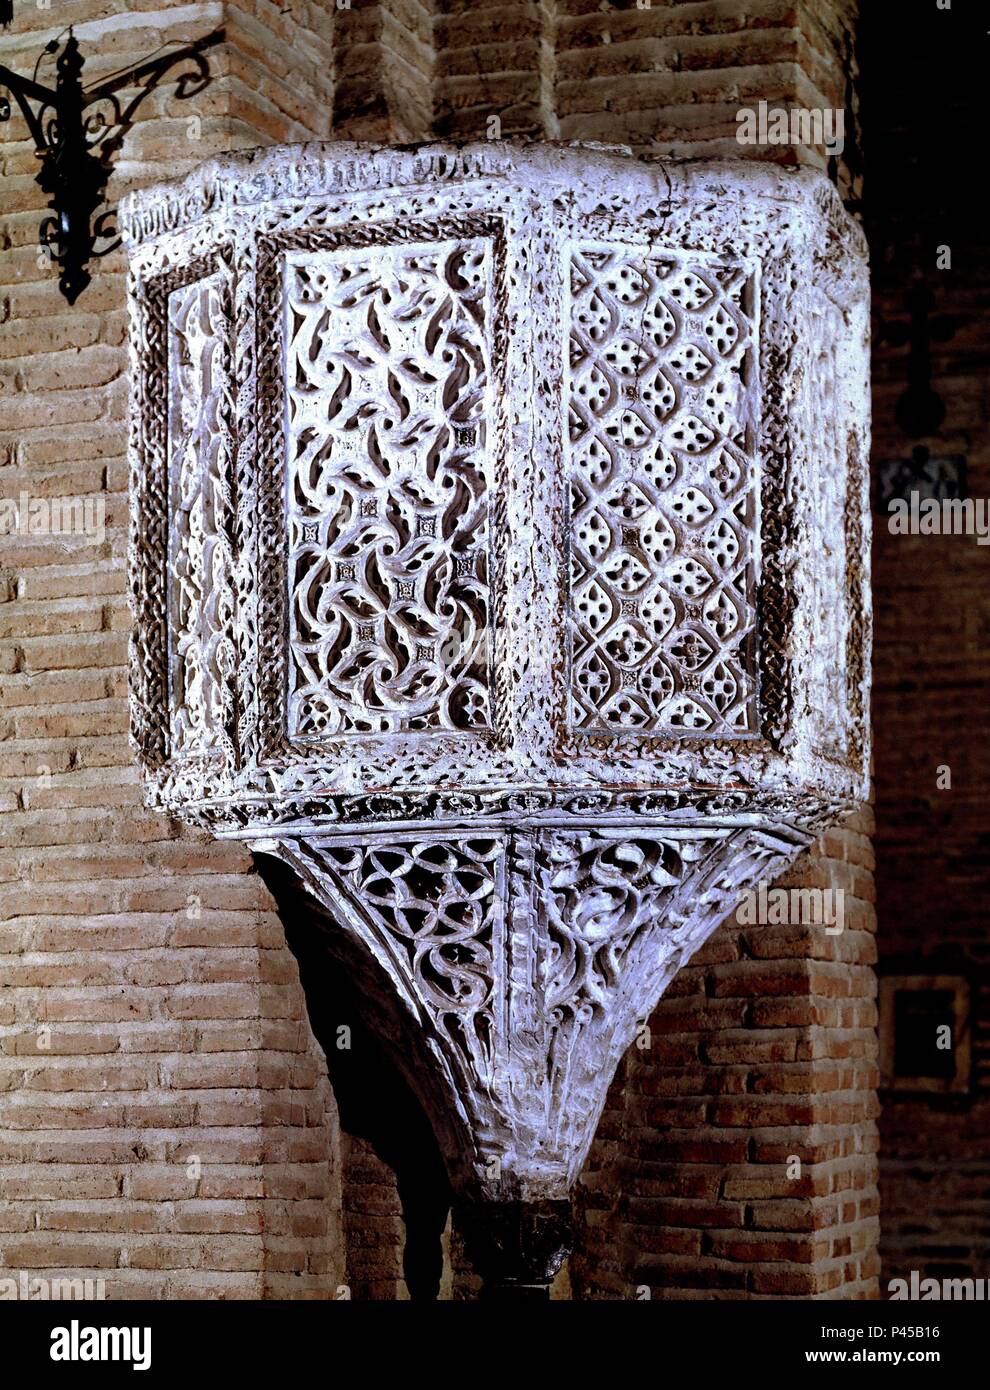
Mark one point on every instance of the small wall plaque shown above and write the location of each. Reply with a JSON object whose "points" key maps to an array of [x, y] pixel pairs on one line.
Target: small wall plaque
{"points": [[924, 1033]]}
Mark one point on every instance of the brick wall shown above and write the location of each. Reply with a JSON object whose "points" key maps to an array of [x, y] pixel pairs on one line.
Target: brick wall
{"points": [[495, 60], [178, 1025], [665, 78], [384, 65], [674, 76], [761, 1053], [932, 659], [165, 1119]]}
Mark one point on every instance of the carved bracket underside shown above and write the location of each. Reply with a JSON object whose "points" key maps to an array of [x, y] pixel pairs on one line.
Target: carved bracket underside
{"points": [[522, 963]]}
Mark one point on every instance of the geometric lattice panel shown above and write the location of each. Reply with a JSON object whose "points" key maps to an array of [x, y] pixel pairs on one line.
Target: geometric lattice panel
{"points": [[661, 401]]}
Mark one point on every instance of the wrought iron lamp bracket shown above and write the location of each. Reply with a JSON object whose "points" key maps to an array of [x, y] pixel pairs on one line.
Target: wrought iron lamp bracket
{"points": [[76, 141]]}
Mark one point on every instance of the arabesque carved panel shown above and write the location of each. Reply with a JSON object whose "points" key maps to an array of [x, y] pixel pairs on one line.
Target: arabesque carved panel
{"points": [[200, 605], [388, 488]]}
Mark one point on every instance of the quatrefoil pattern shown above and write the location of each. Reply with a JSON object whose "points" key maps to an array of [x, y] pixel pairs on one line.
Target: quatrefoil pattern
{"points": [[387, 380], [661, 471]]}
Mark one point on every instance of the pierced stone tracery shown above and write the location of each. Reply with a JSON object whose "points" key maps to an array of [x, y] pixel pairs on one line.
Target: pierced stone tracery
{"points": [[434, 907], [199, 556]]}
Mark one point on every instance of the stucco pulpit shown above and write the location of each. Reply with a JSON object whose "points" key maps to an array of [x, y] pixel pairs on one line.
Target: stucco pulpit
{"points": [[500, 563]]}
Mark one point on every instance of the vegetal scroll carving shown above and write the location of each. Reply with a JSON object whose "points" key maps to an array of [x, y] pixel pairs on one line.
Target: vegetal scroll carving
{"points": [[198, 551]]}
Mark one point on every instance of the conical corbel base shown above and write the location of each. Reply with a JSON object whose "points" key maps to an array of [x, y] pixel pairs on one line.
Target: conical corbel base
{"points": [[514, 965]]}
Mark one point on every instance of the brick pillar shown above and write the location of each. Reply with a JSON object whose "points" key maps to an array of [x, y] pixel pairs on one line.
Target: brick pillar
{"points": [[737, 1156], [384, 70], [165, 1120], [496, 60], [373, 1227]]}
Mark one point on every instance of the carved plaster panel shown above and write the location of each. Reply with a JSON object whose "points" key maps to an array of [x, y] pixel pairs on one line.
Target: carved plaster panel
{"points": [[499, 561]]}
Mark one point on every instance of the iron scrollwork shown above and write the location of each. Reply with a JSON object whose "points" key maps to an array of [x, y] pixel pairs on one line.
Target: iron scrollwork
{"points": [[77, 131]]}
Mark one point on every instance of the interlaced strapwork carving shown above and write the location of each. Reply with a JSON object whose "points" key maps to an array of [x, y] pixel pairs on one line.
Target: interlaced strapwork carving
{"points": [[437, 911], [661, 475], [603, 892], [387, 377], [531, 955], [200, 604]]}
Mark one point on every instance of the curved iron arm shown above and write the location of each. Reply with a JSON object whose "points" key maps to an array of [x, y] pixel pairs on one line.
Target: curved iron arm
{"points": [[189, 84], [76, 148], [23, 89], [156, 66]]}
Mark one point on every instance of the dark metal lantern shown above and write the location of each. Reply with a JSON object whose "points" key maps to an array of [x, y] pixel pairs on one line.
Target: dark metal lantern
{"points": [[75, 141]]}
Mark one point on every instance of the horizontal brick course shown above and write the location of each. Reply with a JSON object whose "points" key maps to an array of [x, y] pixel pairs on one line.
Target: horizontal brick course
{"points": [[174, 1035]]}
